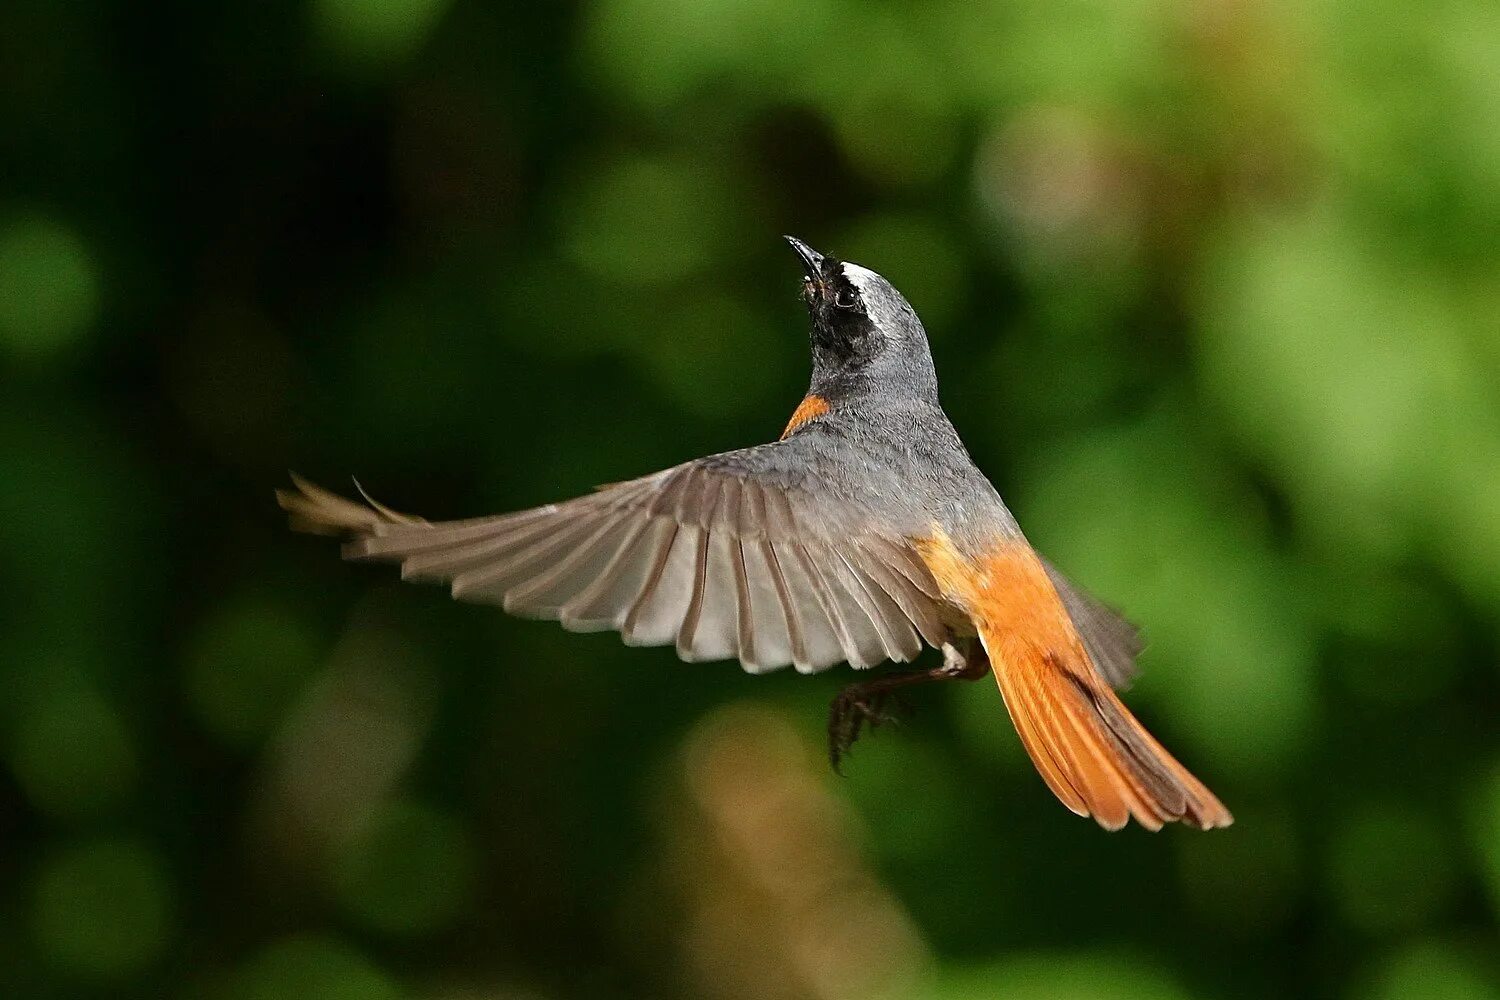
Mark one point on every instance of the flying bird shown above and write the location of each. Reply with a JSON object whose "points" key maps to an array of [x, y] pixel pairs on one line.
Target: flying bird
{"points": [[863, 533]]}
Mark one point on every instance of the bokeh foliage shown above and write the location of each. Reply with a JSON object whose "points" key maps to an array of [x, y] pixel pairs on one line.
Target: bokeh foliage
{"points": [[1214, 294]]}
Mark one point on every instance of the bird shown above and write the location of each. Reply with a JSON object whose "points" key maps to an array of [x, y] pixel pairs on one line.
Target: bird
{"points": [[863, 534]]}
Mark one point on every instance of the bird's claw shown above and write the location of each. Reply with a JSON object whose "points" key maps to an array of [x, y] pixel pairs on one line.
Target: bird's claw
{"points": [[856, 707]]}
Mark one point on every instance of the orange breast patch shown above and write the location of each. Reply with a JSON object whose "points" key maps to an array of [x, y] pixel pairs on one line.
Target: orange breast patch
{"points": [[812, 406]]}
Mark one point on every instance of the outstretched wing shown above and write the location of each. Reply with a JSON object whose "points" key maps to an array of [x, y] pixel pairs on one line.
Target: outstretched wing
{"points": [[715, 556]]}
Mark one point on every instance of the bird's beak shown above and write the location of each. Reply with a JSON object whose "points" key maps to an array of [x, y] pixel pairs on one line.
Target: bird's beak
{"points": [[812, 261]]}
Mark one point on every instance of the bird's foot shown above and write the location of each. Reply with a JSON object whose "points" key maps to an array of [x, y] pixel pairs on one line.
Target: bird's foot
{"points": [[872, 704], [866, 703]]}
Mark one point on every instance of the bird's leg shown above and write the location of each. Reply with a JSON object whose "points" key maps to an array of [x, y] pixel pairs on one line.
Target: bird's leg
{"points": [[865, 702]]}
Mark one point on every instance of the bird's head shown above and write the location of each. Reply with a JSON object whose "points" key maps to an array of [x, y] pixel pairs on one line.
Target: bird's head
{"points": [[865, 335]]}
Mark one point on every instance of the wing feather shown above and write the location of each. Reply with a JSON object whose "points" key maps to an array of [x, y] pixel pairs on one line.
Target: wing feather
{"points": [[894, 628], [746, 624], [605, 602], [834, 602], [796, 647], [657, 614], [910, 601], [709, 557]]}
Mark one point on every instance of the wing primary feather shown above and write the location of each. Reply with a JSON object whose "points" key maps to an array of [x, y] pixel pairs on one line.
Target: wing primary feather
{"points": [[548, 578], [583, 601], [727, 514], [892, 598], [707, 503], [324, 512], [781, 524], [395, 517], [744, 612], [452, 560], [648, 586], [514, 565], [399, 540], [788, 609], [669, 496], [695, 602], [688, 498], [698, 506], [823, 590], [399, 544], [910, 565], [858, 609], [896, 586], [878, 607], [820, 636]]}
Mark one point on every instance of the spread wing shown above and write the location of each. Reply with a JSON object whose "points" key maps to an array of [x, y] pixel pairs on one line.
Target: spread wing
{"points": [[715, 556]]}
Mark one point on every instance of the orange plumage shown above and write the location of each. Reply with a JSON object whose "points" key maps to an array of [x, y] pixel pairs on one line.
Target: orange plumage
{"points": [[1094, 755], [810, 408]]}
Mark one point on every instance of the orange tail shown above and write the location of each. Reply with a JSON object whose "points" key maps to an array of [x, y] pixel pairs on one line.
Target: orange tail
{"points": [[1090, 750]]}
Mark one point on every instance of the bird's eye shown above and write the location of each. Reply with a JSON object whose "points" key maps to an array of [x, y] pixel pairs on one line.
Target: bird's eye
{"points": [[845, 298]]}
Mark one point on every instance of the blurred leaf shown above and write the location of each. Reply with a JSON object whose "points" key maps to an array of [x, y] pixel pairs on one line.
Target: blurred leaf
{"points": [[1061, 976], [103, 908], [408, 870], [660, 52], [715, 358], [1349, 371], [371, 33], [49, 288], [73, 751], [897, 124], [919, 256], [244, 667], [311, 967], [913, 801], [1390, 867], [983, 723], [1432, 971], [1247, 878], [1486, 832], [650, 220]]}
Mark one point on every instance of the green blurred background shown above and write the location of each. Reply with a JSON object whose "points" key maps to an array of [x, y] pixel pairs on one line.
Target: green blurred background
{"points": [[1213, 288]]}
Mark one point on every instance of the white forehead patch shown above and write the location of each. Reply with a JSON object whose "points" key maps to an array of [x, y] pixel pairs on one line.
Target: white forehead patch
{"points": [[883, 304], [860, 277]]}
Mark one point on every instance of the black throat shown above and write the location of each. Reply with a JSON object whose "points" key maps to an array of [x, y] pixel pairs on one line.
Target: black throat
{"points": [[866, 340]]}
